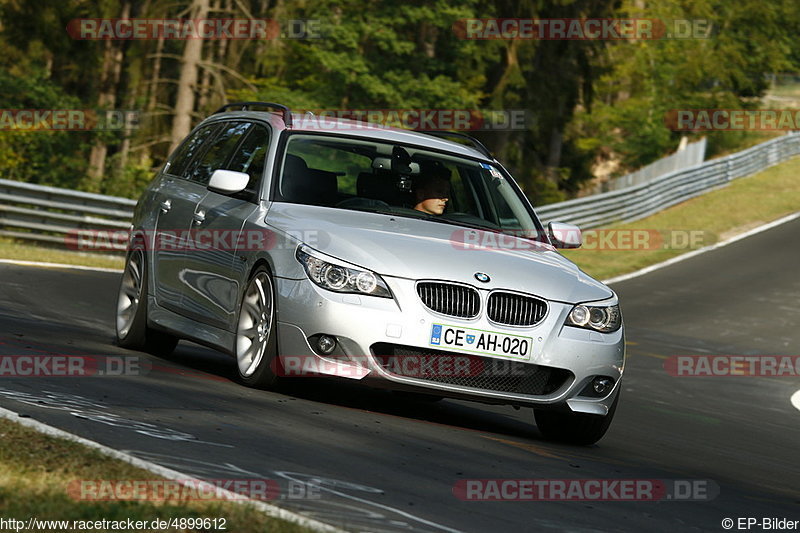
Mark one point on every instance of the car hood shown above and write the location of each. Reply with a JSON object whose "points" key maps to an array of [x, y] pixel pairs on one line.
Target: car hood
{"points": [[394, 246]]}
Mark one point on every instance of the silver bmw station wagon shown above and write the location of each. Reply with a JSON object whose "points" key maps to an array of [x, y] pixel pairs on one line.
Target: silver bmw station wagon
{"points": [[314, 246]]}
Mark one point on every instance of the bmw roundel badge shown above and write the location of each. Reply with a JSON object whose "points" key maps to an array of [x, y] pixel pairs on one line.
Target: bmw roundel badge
{"points": [[483, 278]]}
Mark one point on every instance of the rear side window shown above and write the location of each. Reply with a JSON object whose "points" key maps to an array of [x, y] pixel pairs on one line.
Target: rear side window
{"points": [[189, 149], [250, 157], [218, 152]]}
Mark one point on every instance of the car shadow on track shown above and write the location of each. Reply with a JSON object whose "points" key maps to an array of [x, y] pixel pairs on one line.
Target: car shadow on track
{"points": [[349, 394]]}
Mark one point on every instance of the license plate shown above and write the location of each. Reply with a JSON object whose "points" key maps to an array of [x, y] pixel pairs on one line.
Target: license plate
{"points": [[470, 340]]}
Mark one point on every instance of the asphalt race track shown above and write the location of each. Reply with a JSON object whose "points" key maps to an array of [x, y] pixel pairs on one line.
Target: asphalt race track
{"points": [[386, 463]]}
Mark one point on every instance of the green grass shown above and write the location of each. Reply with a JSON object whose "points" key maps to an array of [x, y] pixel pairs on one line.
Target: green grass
{"points": [[36, 471], [11, 249], [718, 215]]}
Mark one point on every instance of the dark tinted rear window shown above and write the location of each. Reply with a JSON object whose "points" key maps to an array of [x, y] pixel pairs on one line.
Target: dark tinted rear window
{"points": [[218, 153], [189, 149]]}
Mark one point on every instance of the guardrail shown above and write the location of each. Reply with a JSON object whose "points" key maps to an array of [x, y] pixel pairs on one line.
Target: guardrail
{"points": [[689, 155], [639, 201], [53, 215]]}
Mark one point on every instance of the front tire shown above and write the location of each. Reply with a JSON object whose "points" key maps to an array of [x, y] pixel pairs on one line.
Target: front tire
{"points": [[574, 428], [131, 320], [256, 340]]}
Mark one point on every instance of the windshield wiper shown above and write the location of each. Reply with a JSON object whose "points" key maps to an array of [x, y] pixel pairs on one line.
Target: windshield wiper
{"points": [[419, 215], [493, 228], [368, 209], [472, 225]]}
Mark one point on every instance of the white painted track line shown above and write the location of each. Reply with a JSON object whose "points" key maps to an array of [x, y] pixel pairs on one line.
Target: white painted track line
{"points": [[796, 399], [689, 255], [58, 265], [173, 475]]}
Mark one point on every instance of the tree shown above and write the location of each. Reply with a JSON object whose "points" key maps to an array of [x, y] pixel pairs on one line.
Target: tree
{"points": [[187, 83]]}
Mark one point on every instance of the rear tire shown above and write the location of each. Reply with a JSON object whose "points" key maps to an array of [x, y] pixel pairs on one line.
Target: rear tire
{"points": [[256, 340], [574, 428], [131, 320]]}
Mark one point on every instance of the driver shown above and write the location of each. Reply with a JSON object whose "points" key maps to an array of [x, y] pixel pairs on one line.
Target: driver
{"points": [[431, 192], [432, 195]]}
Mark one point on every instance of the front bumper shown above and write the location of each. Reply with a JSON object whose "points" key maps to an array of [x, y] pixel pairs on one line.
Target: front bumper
{"points": [[365, 327]]}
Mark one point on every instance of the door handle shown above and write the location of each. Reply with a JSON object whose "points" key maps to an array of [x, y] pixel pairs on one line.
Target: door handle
{"points": [[166, 205], [199, 217]]}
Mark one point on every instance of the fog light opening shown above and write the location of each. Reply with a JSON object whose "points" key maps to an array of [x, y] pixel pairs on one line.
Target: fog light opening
{"points": [[326, 344], [602, 385]]}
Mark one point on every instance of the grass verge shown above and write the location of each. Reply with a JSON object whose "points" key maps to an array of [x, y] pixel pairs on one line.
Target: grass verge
{"points": [[12, 249], [718, 215], [36, 471]]}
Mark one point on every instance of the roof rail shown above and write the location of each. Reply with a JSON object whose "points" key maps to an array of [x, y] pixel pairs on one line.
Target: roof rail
{"points": [[475, 142], [287, 113]]}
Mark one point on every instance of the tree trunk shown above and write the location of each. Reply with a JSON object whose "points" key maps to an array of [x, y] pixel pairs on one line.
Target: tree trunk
{"points": [[128, 103], [97, 156], [113, 56], [204, 88], [152, 97], [152, 101], [554, 155], [187, 83]]}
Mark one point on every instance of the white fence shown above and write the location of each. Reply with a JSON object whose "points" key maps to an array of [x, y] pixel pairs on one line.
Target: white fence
{"points": [[690, 155]]}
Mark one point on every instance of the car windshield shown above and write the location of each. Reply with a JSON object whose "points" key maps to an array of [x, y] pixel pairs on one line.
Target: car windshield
{"points": [[366, 175]]}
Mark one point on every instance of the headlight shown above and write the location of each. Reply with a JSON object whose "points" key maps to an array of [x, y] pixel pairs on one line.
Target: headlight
{"points": [[337, 276], [604, 319]]}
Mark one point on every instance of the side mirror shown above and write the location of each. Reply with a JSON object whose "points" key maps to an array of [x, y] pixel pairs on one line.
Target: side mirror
{"points": [[564, 235], [228, 181]]}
